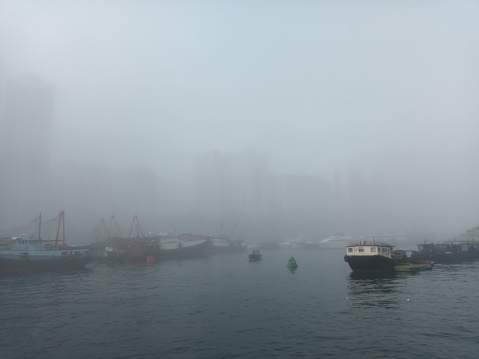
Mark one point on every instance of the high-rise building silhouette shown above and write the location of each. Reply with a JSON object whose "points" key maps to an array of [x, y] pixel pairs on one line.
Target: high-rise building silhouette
{"points": [[24, 144]]}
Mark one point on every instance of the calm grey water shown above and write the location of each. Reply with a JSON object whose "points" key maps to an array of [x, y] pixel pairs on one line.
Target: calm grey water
{"points": [[225, 307]]}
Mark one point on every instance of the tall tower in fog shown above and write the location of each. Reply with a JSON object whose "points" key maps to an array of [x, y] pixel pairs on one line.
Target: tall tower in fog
{"points": [[24, 145], [26, 129]]}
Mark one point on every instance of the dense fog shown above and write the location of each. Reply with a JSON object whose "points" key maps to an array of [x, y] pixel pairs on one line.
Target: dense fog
{"points": [[261, 119]]}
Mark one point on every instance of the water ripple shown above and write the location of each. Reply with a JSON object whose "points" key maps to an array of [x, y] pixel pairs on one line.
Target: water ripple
{"points": [[225, 307]]}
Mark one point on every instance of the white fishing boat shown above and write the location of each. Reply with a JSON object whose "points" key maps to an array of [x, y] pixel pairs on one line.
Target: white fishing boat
{"points": [[174, 246], [221, 244], [27, 253], [338, 240]]}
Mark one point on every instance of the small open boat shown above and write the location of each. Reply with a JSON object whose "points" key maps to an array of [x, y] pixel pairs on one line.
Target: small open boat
{"points": [[255, 255], [412, 267]]}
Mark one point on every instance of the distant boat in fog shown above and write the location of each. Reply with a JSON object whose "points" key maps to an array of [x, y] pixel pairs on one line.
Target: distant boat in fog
{"points": [[255, 255], [121, 251], [464, 248], [300, 242], [173, 246], [222, 244], [338, 240], [291, 244]]}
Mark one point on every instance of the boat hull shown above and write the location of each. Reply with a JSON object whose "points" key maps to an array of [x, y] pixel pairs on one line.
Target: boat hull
{"points": [[110, 257], [370, 264], [254, 257], [446, 258], [199, 249], [226, 249], [28, 265]]}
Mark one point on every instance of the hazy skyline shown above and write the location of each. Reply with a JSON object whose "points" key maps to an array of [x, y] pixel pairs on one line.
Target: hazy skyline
{"points": [[387, 91]]}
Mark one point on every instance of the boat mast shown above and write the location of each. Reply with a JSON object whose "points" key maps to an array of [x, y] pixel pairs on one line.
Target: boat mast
{"points": [[139, 232], [118, 231], [39, 225], [61, 223]]}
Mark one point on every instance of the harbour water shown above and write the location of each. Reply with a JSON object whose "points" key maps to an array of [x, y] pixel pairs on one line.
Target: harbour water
{"points": [[222, 306]]}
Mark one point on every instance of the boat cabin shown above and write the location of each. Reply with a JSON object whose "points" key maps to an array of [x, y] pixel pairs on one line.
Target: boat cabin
{"points": [[364, 248], [25, 243]]}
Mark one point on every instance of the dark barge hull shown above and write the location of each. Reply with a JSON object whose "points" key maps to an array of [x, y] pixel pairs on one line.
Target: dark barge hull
{"points": [[445, 258], [254, 257], [370, 264]]}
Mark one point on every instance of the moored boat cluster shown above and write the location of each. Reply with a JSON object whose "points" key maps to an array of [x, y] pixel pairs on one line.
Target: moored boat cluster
{"points": [[377, 257], [154, 248], [31, 253]]}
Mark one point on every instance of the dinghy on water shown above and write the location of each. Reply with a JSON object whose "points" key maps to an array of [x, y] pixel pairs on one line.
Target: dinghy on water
{"points": [[255, 256], [412, 267]]}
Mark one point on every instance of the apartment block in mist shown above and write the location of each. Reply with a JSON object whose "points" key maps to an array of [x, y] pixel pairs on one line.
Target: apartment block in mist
{"points": [[231, 183], [25, 135], [24, 141]]}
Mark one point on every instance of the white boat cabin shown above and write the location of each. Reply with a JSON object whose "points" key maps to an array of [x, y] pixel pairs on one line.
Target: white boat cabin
{"points": [[25, 243], [365, 248], [28, 246]]}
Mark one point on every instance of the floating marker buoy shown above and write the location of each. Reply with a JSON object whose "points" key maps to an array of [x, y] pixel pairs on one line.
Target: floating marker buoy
{"points": [[150, 260], [292, 263]]}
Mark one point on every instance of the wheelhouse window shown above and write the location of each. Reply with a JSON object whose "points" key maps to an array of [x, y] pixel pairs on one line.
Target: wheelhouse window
{"points": [[350, 249], [361, 249], [373, 249]]}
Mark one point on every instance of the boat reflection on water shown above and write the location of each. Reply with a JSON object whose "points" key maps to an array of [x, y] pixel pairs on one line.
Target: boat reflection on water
{"points": [[371, 276], [373, 291]]}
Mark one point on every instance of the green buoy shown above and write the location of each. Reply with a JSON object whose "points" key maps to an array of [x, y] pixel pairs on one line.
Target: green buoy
{"points": [[292, 263]]}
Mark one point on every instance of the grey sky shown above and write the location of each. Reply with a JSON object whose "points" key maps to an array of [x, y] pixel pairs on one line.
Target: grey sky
{"points": [[387, 88]]}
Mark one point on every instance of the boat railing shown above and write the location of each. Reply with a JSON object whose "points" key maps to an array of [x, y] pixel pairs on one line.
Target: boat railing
{"points": [[369, 243]]}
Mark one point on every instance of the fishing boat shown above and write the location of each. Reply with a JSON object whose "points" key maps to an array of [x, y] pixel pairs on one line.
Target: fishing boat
{"points": [[443, 253], [370, 257], [338, 240], [110, 255], [109, 245], [27, 253], [173, 246], [222, 244], [463, 248], [255, 255], [118, 249]]}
